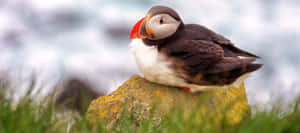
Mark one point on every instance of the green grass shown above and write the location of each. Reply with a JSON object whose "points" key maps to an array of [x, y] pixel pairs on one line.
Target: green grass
{"points": [[31, 117]]}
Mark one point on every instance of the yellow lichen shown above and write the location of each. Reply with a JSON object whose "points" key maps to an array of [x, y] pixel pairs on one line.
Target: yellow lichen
{"points": [[146, 95]]}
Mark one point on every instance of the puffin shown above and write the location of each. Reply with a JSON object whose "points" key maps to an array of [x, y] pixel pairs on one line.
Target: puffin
{"points": [[188, 56]]}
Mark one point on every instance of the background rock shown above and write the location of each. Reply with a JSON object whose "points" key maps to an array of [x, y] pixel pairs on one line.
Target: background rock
{"points": [[76, 95], [140, 96]]}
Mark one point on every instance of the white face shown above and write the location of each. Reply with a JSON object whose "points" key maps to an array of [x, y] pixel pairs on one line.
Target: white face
{"points": [[163, 26]]}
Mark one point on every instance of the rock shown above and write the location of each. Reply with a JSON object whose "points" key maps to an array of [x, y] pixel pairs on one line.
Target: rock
{"points": [[141, 96], [76, 95]]}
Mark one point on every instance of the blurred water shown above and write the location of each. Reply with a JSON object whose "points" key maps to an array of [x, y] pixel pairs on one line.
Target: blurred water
{"points": [[88, 39]]}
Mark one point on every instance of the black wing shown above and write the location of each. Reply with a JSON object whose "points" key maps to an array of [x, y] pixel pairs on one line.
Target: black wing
{"points": [[203, 62], [194, 55]]}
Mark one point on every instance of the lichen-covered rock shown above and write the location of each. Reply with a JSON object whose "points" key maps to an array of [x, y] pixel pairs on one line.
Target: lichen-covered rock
{"points": [[141, 96]]}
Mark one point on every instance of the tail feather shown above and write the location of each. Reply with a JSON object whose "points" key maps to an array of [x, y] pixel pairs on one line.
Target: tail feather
{"points": [[236, 73], [252, 67], [228, 77]]}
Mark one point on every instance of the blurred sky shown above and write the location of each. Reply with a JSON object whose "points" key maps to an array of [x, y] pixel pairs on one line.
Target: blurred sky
{"points": [[88, 39]]}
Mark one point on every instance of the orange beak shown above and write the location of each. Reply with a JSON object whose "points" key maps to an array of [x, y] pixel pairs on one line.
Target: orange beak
{"points": [[135, 32]]}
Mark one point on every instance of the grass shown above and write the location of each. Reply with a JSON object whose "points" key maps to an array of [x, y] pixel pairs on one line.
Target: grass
{"points": [[31, 117]]}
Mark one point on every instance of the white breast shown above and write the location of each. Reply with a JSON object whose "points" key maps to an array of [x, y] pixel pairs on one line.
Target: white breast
{"points": [[154, 65]]}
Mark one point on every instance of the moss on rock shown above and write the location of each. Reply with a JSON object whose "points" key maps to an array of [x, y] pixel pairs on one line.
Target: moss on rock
{"points": [[141, 96]]}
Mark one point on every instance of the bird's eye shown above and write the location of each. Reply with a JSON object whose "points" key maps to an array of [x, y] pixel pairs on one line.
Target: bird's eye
{"points": [[161, 21]]}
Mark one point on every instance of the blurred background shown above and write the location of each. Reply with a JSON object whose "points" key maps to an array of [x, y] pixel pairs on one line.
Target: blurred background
{"points": [[57, 41]]}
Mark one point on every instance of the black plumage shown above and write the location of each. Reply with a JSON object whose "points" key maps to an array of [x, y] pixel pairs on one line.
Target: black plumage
{"points": [[205, 57]]}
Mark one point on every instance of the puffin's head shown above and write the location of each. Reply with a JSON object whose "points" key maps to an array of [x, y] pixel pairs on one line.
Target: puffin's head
{"points": [[160, 22]]}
